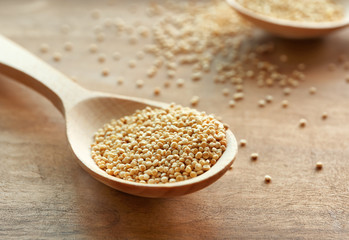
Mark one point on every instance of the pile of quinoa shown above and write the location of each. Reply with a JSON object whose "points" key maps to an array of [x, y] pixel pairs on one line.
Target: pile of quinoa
{"points": [[160, 145], [301, 11]]}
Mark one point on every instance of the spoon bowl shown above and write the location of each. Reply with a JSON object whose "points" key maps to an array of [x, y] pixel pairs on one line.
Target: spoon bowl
{"points": [[86, 111], [292, 29], [90, 115]]}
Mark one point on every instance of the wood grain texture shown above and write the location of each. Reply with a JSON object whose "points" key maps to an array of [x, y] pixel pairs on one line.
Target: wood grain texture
{"points": [[45, 194]]}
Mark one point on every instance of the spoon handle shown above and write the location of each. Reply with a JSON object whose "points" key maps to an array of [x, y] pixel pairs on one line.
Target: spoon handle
{"points": [[21, 65]]}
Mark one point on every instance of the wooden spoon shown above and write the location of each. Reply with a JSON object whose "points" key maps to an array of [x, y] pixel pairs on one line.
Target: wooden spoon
{"points": [[86, 111], [292, 29]]}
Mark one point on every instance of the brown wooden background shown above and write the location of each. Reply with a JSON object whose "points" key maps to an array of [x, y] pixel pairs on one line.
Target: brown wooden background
{"points": [[44, 194]]}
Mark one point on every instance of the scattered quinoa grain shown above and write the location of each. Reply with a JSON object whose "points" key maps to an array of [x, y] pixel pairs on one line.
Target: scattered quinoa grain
{"points": [[287, 91], [120, 80], [324, 115], [116, 56], [171, 65], [302, 122], [139, 83], [269, 98], [143, 31], [133, 40], [215, 30], [254, 156], [140, 55], [232, 103], [132, 63], [105, 72], [180, 82], [157, 91], [171, 73], [96, 13], [151, 72], [312, 90], [239, 88], [74, 78], [93, 48], [261, 103], [196, 76], [267, 179], [57, 56], [225, 91], [100, 37], [194, 100], [284, 103], [44, 48], [68, 46], [319, 165], [243, 142], [158, 62], [102, 57], [167, 83], [238, 96]]}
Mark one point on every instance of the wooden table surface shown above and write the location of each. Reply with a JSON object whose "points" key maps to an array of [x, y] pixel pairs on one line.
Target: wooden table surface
{"points": [[45, 194]]}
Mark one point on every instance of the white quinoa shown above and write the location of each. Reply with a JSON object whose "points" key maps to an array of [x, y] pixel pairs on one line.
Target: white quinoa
{"points": [[102, 57], [105, 72], [243, 142], [93, 48], [57, 56], [132, 63], [267, 179], [301, 11], [116, 56], [284, 103], [254, 156], [180, 82], [157, 91], [232, 103], [269, 98], [312, 90], [68, 46], [44, 48], [324, 115], [319, 165], [159, 145], [261, 103], [194, 100], [302, 122], [139, 83], [120, 80]]}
